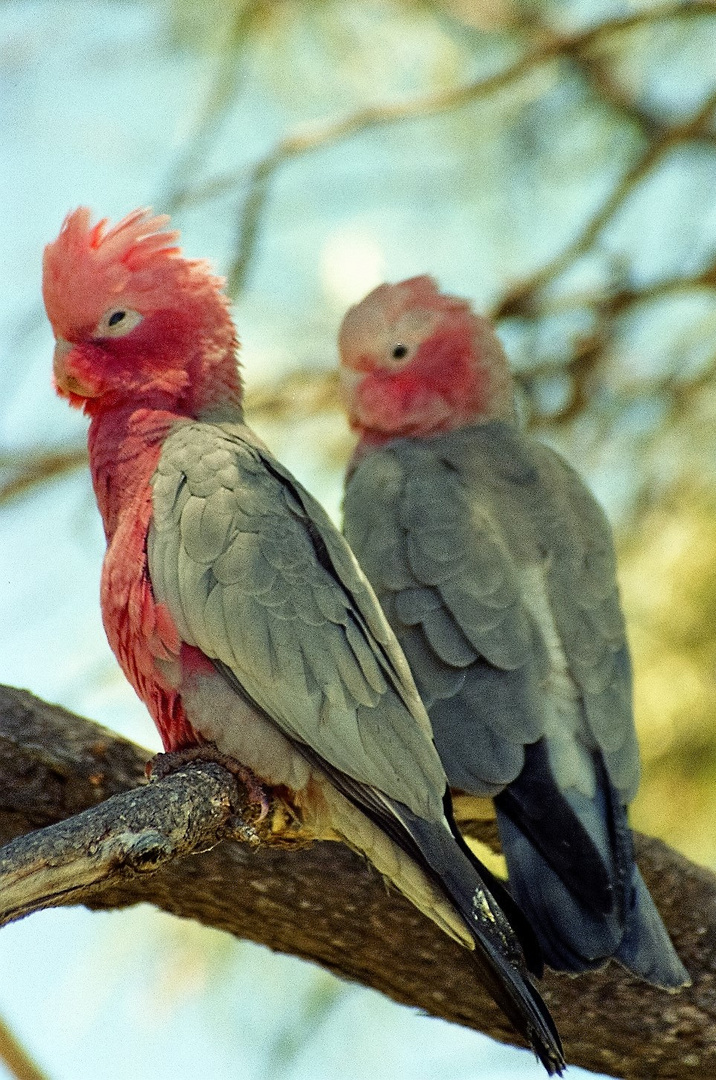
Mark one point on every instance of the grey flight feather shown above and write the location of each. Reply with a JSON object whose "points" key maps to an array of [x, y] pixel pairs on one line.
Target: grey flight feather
{"points": [[232, 551]]}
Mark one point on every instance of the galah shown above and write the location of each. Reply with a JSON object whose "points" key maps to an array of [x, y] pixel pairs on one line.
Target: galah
{"points": [[495, 567], [236, 609]]}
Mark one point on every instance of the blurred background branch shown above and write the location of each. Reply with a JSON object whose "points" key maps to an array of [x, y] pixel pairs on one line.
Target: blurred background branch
{"points": [[15, 1058], [537, 52]]}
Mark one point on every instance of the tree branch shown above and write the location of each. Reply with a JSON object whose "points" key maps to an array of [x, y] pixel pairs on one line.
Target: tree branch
{"points": [[136, 832], [540, 48], [29, 469], [330, 132], [15, 1057], [219, 101], [520, 299], [321, 902]]}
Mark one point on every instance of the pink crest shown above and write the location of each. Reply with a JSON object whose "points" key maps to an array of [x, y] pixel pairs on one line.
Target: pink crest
{"points": [[423, 292], [88, 266]]}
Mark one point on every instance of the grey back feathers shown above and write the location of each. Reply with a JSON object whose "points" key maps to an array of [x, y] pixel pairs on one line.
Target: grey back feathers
{"points": [[495, 566], [454, 533], [233, 547], [257, 577]]}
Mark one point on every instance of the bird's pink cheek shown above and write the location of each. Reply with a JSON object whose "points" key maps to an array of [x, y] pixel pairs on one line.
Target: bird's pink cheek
{"points": [[384, 403], [374, 403]]}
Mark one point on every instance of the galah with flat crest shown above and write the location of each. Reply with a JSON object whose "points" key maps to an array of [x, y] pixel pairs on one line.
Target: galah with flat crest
{"points": [[495, 567], [236, 609]]}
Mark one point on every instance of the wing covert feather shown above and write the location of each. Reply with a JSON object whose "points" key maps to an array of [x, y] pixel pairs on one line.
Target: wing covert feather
{"points": [[256, 576], [444, 575], [442, 526], [583, 584]]}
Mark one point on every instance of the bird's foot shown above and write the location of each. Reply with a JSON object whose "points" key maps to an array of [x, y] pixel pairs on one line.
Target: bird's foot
{"points": [[163, 764]]}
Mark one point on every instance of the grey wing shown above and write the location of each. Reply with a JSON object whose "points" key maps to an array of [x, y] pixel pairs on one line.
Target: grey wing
{"points": [[264, 585], [584, 595], [446, 580]]}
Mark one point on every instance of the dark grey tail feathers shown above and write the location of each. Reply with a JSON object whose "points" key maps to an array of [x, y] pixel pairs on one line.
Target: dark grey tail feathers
{"points": [[578, 937], [533, 955], [443, 856], [646, 948], [497, 950], [537, 807]]}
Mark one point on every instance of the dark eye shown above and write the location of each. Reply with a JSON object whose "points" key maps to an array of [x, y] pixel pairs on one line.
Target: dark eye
{"points": [[117, 323], [400, 351]]}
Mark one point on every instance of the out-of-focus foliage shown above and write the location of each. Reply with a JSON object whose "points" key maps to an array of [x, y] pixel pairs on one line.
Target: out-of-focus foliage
{"points": [[553, 160], [669, 582]]}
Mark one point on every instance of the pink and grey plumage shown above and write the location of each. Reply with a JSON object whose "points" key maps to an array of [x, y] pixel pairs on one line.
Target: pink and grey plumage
{"points": [[496, 569], [235, 608]]}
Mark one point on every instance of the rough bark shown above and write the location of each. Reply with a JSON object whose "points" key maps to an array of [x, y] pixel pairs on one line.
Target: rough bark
{"points": [[320, 902]]}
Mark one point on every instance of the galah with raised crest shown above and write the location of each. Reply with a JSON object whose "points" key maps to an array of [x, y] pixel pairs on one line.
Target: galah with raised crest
{"points": [[236, 609]]}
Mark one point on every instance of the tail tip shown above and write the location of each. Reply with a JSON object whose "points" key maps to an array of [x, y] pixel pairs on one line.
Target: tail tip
{"points": [[551, 1057]]}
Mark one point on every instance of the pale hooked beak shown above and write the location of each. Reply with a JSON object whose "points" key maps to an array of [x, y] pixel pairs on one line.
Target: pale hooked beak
{"points": [[64, 381], [62, 348]]}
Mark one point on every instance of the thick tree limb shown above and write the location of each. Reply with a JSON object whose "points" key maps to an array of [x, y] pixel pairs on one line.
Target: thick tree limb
{"points": [[136, 832], [320, 902]]}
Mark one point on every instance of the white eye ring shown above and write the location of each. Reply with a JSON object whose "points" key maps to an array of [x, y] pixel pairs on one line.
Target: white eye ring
{"points": [[117, 322]]}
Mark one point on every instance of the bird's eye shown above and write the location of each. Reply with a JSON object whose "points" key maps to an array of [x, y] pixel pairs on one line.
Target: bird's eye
{"points": [[399, 352], [117, 322]]}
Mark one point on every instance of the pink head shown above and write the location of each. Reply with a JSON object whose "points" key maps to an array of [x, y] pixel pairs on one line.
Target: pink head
{"points": [[415, 361], [134, 319]]}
